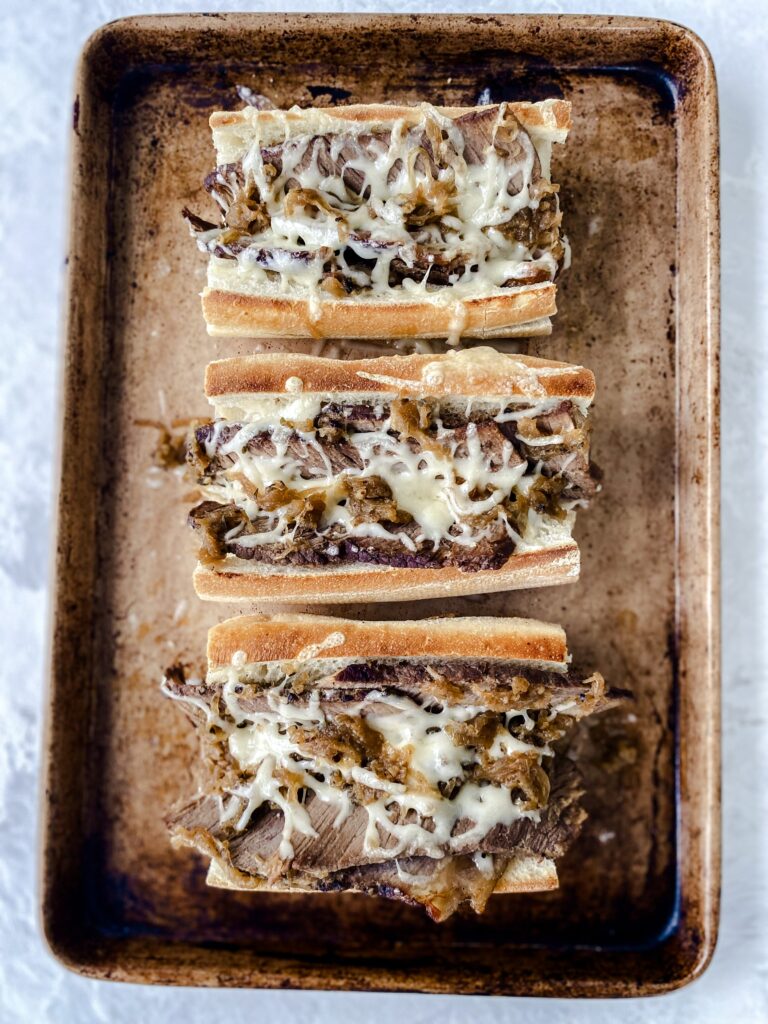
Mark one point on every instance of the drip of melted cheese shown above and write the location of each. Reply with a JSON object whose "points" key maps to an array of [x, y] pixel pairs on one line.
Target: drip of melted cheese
{"points": [[259, 744], [482, 203]]}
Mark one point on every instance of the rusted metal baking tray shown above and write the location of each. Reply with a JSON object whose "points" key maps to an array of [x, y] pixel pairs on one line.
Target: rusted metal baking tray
{"points": [[638, 907]]}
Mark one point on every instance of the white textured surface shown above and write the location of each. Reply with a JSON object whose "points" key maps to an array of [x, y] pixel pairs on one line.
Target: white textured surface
{"points": [[39, 42]]}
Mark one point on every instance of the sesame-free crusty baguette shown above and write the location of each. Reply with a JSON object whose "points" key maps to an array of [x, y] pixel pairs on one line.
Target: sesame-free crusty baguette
{"points": [[411, 760], [384, 222], [385, 479]]}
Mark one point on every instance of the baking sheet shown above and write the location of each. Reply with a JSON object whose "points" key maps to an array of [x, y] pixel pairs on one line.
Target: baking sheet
{"points": [[637, 907]]}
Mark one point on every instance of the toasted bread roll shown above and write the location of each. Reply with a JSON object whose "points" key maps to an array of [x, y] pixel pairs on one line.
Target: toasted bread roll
{"points": [[384, 222], [407, 759], [403, 477]]}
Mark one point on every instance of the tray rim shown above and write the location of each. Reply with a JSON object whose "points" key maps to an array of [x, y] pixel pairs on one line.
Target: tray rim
{"points": [[126, 959]]}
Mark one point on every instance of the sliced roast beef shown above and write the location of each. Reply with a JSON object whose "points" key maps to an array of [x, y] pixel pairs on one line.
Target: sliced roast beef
{"points": [[213, 522], [582, 476], [464, 681], [558, 825], [326, 448], [318, 457], [338, 846], [482, 132], [331, 155], [355, 417], [201, 814], [440, 885], [326, 174], [498, 686], [495, 447], [334, 547]]}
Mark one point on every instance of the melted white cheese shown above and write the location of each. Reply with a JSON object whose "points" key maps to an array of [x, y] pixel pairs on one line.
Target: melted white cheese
{"points": [[403, 818], [484, 196], [438, 487]]}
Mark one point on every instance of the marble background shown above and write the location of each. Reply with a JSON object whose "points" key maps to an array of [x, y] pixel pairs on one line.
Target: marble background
{"points": [[39, 43]]}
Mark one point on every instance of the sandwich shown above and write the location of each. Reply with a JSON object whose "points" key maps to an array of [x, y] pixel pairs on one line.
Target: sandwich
{"points": [[401, 477], [384, 221], [420, 761]]}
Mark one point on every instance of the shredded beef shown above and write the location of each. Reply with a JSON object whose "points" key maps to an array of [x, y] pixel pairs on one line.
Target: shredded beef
{"points": [[339, 846], [244, 217], [334, 548], [566, 476]]}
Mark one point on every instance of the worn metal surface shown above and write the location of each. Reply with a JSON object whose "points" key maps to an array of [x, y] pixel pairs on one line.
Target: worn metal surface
{"points": [[637, 907]]}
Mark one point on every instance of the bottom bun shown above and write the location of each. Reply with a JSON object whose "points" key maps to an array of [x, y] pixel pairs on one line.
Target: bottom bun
{"points": [[506, 313], [233, 579], [525, 872]]}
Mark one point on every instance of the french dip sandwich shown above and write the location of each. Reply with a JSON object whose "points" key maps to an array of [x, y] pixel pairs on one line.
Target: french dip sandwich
{"points": [[384, 221], [412, 760], [382, 479]]}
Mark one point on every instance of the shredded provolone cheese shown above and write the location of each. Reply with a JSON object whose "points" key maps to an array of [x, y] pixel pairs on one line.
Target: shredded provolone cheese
{"points": [[366, 228], [438, 487], [403, 818]]}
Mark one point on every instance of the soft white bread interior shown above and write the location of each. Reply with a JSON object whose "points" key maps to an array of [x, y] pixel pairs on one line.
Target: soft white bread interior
{"points": [[527, 872]]}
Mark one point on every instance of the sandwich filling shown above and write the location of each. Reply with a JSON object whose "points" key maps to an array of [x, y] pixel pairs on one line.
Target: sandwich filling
{"points": [[339, 773], [460, 206], [304, 480]]}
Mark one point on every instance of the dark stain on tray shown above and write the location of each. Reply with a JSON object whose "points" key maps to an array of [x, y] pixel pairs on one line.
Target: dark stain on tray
{"points": [[330, 92]]}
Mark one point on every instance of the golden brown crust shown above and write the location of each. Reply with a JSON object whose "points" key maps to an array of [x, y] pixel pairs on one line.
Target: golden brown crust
{"points": [[364, 583], [553, 114], [263, 316], [284, 637], [469, 373]]}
